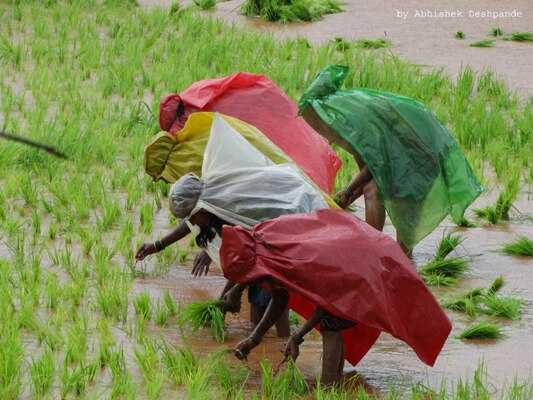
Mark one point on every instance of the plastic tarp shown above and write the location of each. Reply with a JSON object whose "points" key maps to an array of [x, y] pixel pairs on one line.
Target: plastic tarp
{"points": [[332, 259], [419, 169], [171, 157], [244, 187], [256, 100]]}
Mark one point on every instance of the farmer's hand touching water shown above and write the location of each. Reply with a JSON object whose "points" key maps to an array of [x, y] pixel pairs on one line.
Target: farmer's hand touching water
{"points": [[292, 348], [201, 264], [145, 250], [243, 348]]}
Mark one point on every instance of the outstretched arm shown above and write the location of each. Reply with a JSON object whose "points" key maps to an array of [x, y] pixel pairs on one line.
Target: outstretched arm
{"points": [[178, 233], [292, 348], [276, 307]]}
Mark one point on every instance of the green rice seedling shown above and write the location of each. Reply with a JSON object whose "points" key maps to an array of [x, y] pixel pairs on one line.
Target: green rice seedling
{"points": [[74, 380], [496, 285], [496, 31], [520, 37], [47, 333], [482, 330], [341, 44], [109, 216], [523, 246], [12, 358], [436, 279], [482, 43], [205, 314], [76, 344], [291, 377], [505, 307], [52, 291], [143, 305], [373, 44], [146, 215], [459, 35], [165, 259], [452, 267], [150, 364], [180, 363], [161, 314], [293, 11], [489, 213], [467, 303], [230, 378], [111, 298], [42, 373], [464, 222], [205, 4], [169, 303], [448, 243]]}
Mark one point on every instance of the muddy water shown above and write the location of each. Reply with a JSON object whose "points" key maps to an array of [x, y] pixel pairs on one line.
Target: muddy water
{"points": [[421, 39]]}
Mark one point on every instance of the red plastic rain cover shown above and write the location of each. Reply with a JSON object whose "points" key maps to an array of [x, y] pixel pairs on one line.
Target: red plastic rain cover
{"points": [[256, 100], [333, 259]]}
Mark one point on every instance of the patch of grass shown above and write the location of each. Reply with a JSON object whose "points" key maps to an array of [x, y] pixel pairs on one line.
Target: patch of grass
{"points": [[520, 37], [205, 4], [482, 43], [448, 243], [464, 222], [205, 314], [284, 11], [507, 306], [435, 279], [523, 246], [496, 31], [373, 44], [482, 330], [459, 35], [452, 267]]}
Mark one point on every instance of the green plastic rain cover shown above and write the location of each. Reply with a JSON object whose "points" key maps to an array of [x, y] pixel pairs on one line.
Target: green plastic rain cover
{"points": [[421, 172]]}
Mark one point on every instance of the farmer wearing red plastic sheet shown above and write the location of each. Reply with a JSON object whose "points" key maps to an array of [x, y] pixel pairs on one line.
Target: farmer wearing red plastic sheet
{"points": [[410, 165], [341, 274]]}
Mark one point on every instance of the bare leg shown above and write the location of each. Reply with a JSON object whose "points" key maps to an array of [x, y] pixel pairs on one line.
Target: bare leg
{"points": [[408, 252], [332, 357], [256, 313], [283, 326], [374, 209]]}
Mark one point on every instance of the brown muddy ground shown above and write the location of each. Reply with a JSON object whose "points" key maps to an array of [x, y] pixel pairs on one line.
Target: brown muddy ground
{"points": [[426, 40]]}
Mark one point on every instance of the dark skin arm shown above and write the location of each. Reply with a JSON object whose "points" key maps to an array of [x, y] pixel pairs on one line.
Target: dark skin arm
{"points": [[292, 348], [178, 233], [356, 187], [201, 261], [276, 307]]}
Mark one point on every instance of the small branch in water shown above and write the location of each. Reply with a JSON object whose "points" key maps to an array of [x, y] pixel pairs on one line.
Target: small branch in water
{"points": [[41, 146]]}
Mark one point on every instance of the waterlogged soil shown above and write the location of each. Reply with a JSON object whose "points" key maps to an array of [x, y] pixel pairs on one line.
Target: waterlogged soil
{"points": [[421, 31]]}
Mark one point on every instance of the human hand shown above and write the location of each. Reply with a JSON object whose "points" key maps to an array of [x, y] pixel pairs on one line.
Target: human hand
{"points": [[201, 264], [232, 301], [145, 250], [292, 348], [343, 199], [243, 348]]}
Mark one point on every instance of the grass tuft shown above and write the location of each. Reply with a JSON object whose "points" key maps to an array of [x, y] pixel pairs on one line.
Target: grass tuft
{"points": [[459, 35], [523, 246], [482, 43], [520, 37], [452, 267], [205, 314], [482, 330], [496, 31], [448, 243]]}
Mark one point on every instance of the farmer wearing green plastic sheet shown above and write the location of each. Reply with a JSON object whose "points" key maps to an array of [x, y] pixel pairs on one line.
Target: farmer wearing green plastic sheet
{"points": [[410, 165]]}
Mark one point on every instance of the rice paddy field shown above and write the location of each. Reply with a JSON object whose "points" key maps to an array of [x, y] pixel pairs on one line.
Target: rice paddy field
{"points": [[80, 319]]}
